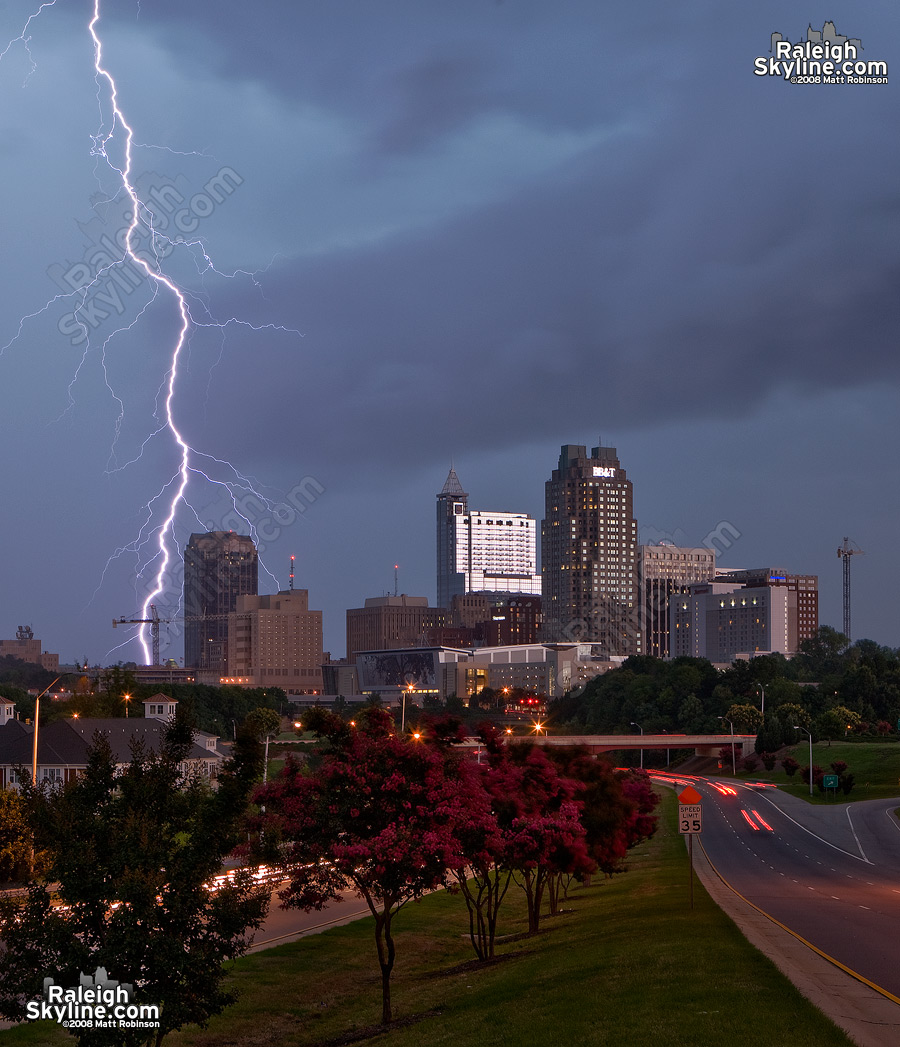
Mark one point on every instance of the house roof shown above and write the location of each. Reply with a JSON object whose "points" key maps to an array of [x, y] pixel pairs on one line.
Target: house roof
{"points": [[66, 742], [11, 735]]}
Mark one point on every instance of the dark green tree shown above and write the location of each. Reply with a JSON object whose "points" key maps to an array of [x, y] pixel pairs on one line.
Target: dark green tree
{"points": [[770, 735], [262, 721], [134, 851], [15, 837]]}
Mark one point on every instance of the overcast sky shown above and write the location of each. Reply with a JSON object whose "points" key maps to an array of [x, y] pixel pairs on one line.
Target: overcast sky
{"points": [[465, 232]]}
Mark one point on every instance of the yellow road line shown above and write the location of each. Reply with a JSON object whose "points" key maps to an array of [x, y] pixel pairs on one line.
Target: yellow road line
{"points": [[800, 938]]}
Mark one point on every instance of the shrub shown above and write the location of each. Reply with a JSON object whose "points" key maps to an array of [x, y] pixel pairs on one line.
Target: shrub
{"points": [[846, 783], [838, 766], [790, 766], [750, 762], [817, 773], [725, 755], [768, 760]]}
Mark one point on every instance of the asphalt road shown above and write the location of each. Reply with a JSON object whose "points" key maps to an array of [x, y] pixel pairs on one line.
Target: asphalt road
{"points": [[287, 925], [830, 874]]}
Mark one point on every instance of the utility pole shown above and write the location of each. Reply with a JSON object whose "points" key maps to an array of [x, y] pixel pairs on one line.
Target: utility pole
{"points": [[845, 551]]}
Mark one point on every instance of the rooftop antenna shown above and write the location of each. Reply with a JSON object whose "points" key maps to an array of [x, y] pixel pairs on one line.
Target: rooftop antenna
{"points": [[396, 568], [292, 574]]}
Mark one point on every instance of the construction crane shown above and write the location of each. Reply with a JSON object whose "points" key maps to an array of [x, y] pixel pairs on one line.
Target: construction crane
{"points": [[845, 551], [153, 621]]}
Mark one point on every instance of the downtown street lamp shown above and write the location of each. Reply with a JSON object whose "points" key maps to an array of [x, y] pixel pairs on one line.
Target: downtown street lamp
{"points": [[641, 729], [797, 727], [731, 724], [410, 688]]}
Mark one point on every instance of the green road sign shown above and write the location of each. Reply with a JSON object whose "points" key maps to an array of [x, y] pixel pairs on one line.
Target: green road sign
{"points": [[830, 781]]}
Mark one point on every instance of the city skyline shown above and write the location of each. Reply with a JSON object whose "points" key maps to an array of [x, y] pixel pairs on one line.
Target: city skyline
{"points": [[724, 536], [477, 233]]}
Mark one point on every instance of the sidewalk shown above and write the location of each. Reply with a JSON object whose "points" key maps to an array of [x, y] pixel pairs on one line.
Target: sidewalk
{"points": [[868, 1018]]}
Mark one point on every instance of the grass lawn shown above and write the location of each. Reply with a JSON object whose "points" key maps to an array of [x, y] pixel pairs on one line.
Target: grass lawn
{"points": [[627, 965], [875, 766]]}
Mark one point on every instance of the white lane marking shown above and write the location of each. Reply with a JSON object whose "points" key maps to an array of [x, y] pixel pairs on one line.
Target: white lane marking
{"points": [[821, 839], [855, 837], [890, 815]]}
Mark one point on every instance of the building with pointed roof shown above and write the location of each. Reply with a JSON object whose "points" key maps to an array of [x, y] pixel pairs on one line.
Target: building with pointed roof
{"points": [[480, 551]]}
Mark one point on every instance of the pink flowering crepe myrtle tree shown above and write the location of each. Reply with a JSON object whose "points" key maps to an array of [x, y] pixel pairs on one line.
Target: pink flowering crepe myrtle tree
{"points": [[540, 836], [379, 816]]}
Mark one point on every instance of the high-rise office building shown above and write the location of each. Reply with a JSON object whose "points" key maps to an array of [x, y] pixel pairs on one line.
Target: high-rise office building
{"points": [[387, 622], [664, 571], [219, 567], [480, 551], [589, 553]]}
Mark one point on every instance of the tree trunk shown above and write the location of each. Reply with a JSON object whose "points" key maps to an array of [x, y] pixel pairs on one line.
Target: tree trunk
{"points": [[533, 880], [475, 905], [386, 953], [553, 893], [483, 904]]}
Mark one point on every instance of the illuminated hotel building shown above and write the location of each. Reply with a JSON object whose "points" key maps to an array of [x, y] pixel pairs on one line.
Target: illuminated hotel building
{"points": [[589, 553], [744, 613], [479, 551]]}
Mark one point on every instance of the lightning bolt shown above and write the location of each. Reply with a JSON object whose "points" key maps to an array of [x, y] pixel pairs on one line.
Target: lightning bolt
{"points": [[155, 543]]}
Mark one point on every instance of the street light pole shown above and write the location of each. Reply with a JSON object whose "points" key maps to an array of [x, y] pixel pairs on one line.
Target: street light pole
{"points": [[797, 727], [733, 765], [266, 764], [37, 713], [762, 704], [409, 690], [641, 729]]}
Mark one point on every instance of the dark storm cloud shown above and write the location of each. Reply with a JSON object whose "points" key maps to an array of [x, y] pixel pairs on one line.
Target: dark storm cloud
{"points": [[433, 98], [498, 226], [678, 276], [713, 238]]}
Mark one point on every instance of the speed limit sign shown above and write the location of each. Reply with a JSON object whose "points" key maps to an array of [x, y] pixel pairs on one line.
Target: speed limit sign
{"points": [[690, 819]]}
